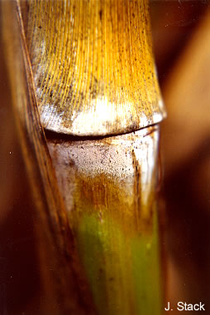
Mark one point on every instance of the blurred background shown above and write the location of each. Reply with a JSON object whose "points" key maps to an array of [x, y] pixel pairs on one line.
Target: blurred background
{"points": [[181, 37]]}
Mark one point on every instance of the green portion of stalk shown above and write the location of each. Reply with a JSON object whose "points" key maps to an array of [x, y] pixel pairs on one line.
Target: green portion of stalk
{"points": [[123, 270], [147, 272]]}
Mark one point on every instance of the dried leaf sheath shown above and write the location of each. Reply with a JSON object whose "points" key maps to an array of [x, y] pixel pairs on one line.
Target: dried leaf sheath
{"points": [[93, 65], [57, 256]]}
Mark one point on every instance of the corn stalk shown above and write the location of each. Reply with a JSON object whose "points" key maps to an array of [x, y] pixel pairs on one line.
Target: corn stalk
{"points": [[89, 69]]}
